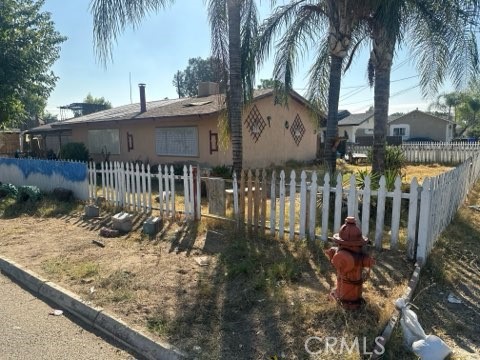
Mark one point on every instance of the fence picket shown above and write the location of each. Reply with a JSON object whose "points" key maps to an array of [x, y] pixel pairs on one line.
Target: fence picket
{"points": [[172, 190], [186, 187], [325, 206], [263, 210], [338, 203], [149, 189], [366, 197], [256, 202], [167, 192], [313, 207], [103, 179], [396, 208], [273, 204], [281, 218], [235, 194], [424, 222], [382, 192], [250, 200], [160, 190], [293, 195]]}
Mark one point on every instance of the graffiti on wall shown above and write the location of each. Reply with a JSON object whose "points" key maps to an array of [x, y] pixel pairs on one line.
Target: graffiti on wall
{"points": [[46, 174]]}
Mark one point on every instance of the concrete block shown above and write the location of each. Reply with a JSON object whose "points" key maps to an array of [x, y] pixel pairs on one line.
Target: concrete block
{"points": [[216, 196], [122, 221], [27, 278], [68, 301], [92, 211], [135, 340], [152, 225]]}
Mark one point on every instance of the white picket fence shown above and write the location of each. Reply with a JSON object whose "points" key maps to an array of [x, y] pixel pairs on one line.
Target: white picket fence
{"points": [[302, 206], [441, 153], [441, 198], [129, 186]]}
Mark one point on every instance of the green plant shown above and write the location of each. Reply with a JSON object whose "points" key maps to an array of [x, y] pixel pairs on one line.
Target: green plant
{"points": [[28, 193], [7, 190], [74, 151], [222, 171], [361, 175], [394, 159]]}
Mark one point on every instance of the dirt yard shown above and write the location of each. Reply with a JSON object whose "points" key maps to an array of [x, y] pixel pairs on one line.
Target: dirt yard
{"points": [[453, 268], [203, 287]]}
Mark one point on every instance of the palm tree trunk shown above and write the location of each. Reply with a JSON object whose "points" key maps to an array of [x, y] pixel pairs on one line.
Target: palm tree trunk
{"points": [[235, 100], [332, 117], [380, 114]]}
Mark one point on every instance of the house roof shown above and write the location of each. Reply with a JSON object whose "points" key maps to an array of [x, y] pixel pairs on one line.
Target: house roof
{"points": [[355, 119], [47, 128], [395, 118], [167, 108]]}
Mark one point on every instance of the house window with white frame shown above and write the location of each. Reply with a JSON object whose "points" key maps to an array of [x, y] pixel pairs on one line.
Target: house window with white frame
{"points": [[400, 131], [176, 141], [104, 141]]}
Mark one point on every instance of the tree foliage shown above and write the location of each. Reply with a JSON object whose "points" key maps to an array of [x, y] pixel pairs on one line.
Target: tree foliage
{"points": [[199, 70], [29, 45]]}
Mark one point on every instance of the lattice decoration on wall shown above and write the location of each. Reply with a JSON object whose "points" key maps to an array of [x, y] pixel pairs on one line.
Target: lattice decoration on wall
{"points": [[255, 123], [297, 130]]}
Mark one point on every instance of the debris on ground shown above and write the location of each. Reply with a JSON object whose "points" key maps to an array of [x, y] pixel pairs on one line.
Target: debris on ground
{"points": [[99, 243], [202, 260], [475, 207], [108, 233], [56, 312], [452, 299]]}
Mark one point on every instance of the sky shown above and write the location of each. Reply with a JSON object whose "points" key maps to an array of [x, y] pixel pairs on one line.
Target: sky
{"points": [[162, 45]]}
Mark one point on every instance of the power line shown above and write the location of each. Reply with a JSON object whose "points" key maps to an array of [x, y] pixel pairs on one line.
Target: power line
{"points": [[393, 95]]}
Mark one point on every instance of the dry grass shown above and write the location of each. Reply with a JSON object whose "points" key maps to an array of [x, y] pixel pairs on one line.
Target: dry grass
{"points": [[409, 172], [453, 267], [257, 298]]}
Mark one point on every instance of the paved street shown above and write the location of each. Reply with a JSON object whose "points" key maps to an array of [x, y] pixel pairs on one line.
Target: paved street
{"points": [[28, 332]]}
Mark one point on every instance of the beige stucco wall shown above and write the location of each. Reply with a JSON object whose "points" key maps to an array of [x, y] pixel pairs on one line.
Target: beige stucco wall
{"points": [[143, 132], [275, 144], [423, 125]]}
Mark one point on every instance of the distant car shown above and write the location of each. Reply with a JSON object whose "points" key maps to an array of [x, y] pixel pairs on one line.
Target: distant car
{"points": [[464, 140], [419, 139]]}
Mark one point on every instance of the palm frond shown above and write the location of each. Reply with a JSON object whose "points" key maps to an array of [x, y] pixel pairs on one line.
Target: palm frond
{"points": [[317, 89], [272, 26], [304, 30], [110, 17], [217, 16], [249, 30]]}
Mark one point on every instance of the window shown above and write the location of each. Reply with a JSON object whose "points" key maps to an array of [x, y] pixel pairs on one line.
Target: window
{"points": [[104, 141], [399, 131], [176, 141]]}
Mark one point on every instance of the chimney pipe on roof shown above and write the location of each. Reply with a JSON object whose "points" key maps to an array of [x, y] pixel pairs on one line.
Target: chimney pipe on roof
{"points": [[143, 102]]}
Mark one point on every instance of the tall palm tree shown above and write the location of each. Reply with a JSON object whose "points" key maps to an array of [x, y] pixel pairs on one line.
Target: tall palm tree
{"points": [[233, 23], [329, 27], [439, 32]]}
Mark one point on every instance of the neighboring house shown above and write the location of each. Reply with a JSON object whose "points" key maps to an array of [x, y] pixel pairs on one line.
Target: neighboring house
{"points": [[9, 142], [418, 124], [186, 131], [356, 125], [40, 140]]}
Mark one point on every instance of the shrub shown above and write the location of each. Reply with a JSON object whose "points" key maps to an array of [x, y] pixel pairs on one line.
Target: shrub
{"points": [[222, 171], [28, 193], [394, 159], [7, 190], [74, 151]]}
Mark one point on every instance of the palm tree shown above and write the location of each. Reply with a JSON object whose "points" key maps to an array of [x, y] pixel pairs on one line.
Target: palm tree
{"points": [[233, 23], [328, 26], [442, 42]]}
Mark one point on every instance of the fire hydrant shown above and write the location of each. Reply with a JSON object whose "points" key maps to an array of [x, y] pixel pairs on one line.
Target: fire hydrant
{"points": [[349, 260]]}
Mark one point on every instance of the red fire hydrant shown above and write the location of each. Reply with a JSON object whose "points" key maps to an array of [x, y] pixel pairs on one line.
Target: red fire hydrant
{"points": [[349, 260]]}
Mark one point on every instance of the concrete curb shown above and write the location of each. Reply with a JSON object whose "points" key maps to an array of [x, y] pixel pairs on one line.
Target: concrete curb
{"points": [[107, 324], [377, 352]]}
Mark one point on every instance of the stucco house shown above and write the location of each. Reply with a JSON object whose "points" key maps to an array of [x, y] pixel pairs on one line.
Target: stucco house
{"points": [[355, 125], [418, 124], [186, 130]]}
